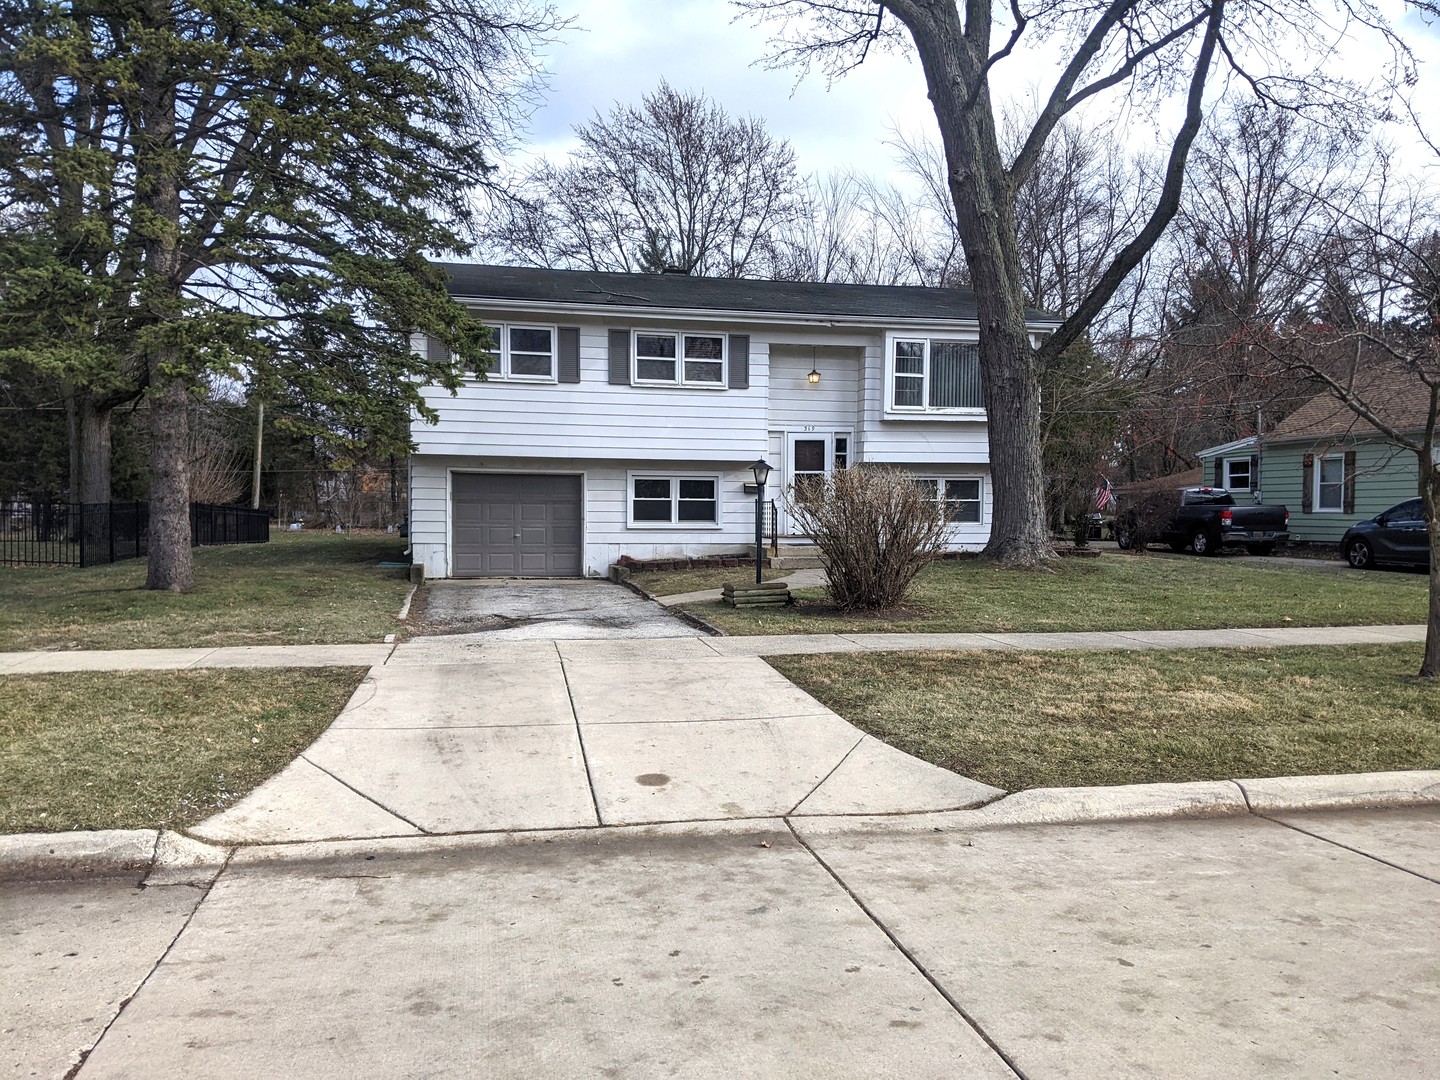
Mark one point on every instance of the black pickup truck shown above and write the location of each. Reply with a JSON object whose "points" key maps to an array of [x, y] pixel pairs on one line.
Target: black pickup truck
{"points": [[1209, 518]]}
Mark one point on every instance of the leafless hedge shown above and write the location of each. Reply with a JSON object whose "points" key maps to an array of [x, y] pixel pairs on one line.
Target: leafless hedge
{"points": [[876, 529], [1144, 518]]}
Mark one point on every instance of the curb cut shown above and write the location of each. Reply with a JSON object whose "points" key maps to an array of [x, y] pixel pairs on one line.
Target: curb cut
{"points": [[162, 857], [153, 856]]}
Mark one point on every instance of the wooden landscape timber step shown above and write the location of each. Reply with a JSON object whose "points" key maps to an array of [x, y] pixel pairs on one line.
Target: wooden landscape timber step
{"points": [[748, 594]]}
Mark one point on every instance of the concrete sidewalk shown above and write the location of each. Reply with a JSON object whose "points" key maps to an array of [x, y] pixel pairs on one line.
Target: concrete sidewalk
{"points": [[1287, 946], [466, 648]]}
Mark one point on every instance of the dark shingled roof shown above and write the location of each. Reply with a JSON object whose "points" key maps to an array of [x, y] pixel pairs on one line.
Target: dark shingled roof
{"points": [[670, 291]]}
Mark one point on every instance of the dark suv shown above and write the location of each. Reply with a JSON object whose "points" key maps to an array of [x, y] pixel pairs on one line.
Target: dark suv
{"points": [[1397, 537]]}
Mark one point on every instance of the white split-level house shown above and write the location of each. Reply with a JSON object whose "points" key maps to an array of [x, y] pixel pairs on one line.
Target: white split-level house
{"points": [[622, 414]]}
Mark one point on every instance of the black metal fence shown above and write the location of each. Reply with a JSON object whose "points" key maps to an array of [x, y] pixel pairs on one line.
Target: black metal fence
{"points": [[89, 534]]}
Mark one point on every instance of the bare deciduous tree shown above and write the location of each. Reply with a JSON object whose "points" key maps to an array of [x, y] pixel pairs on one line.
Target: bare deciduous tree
{"points": [[676, 182], [1143, 49]]}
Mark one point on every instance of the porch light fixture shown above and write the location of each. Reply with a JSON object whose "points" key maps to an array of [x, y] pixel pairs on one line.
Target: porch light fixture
{"points": [[761, 471], [814, 376]]}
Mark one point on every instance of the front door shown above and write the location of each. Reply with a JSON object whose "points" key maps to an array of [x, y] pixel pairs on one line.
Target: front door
{"points": [[810, 456]]}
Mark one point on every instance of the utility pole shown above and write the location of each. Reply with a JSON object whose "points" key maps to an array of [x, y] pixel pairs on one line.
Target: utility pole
{"points": [[259, 439]]}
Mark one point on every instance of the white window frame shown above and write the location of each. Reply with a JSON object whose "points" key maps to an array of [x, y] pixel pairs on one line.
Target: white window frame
{"points": [[1249, 472], [1315, 507], [939, 482], [674, 478], [926, 339], [500, 369], [680, 380]]}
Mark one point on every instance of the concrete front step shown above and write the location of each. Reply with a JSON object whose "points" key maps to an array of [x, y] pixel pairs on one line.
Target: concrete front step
{"points": [[796, 557]]}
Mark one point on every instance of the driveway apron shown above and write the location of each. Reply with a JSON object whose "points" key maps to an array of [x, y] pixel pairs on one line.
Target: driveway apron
{"points": [[482, 732]]}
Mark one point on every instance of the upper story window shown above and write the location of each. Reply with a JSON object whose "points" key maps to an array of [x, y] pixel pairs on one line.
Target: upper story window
{"points": [[932, 374], [523, 353], [676, 359]]}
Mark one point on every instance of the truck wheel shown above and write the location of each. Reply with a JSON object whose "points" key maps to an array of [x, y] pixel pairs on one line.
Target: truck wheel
{"points": [[1123, 540], [1359, 555], [1260, 549], [1201, 544]]}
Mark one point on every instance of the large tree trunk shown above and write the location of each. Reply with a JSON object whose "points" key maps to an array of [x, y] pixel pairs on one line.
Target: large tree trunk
{"points": [[172, 564], [92, 431], [1430, 491], [1009, 368], [171, 561]]}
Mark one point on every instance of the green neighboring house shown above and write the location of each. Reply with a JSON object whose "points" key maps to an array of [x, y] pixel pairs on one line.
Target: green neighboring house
{"points": [[1329, 467]]}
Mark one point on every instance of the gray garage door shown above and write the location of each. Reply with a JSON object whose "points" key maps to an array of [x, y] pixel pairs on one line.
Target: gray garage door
{"points": [[515, 526]]}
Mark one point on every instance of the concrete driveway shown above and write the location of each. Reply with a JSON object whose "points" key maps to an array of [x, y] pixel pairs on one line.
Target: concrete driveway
{"points": [[509, 610]]}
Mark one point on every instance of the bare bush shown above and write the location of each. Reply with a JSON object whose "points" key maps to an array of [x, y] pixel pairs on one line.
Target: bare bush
{"points": [[1144, 519], [876, 529]]}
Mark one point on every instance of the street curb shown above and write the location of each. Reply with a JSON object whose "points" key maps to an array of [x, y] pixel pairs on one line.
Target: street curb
{"points": [[161, 857], [1161, 802], [153, 856]]}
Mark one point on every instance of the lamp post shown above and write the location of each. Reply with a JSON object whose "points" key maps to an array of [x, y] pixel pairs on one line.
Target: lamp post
{"points": [[761, 469]]}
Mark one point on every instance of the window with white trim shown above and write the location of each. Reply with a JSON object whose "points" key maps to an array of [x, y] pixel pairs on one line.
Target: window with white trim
{"points": [[523, 353], [960, 497], [674, 500], [1330, 484], [671, 358], [935, 375], [1237, 474]]}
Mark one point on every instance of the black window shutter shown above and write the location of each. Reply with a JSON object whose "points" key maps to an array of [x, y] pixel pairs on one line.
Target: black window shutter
{"points": [[1349, 482], [567, 354], [1254, 471], [1219, 473], [1307, 486], [620, 357], [739, 361], [435, 350]]}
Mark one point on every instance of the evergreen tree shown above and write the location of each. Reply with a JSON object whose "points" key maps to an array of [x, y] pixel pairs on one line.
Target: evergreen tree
{"points": [[246, 188]]}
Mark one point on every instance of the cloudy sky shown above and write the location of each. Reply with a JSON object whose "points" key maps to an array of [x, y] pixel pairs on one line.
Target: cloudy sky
{"points": [[621, 49]]}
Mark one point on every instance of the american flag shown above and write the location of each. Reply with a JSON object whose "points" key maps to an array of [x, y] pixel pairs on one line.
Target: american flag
{"points": [[1104, 494]]}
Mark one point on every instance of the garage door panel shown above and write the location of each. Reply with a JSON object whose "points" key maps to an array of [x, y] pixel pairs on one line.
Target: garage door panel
{"points": [[516, 525]]}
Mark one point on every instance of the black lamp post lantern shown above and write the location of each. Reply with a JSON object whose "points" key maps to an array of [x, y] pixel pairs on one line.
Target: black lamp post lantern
{"points": [[761, 469]]}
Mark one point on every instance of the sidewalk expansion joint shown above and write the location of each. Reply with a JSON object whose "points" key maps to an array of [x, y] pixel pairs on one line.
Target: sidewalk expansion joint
{"points": [[909, 956], [1347, 847], [580, 736], [75, 1069], [368, 798], [821, 782]]}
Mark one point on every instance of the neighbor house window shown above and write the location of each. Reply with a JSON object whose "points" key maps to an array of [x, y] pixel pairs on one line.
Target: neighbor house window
{"points": [[674, 500], [523, 353], [930, 374], [1330, 484], [1237, 474], [680, 359], [959, 497]]}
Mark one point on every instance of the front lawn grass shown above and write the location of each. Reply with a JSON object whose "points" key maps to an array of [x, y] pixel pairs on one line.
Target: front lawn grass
{"points": [[152, 749], [1023, 720], [299, 589], [1111, 592]]}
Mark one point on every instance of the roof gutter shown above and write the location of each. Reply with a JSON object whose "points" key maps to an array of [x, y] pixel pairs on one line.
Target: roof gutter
{"points": [[763, 318]]}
